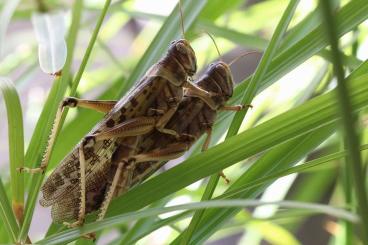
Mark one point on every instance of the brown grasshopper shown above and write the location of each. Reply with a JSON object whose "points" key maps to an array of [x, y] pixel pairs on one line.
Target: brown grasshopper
{"points": [[149, 105], [193, 118]]}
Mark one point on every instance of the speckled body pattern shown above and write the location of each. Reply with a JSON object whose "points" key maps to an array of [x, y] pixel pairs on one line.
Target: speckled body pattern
{"points": [[156, 90]]}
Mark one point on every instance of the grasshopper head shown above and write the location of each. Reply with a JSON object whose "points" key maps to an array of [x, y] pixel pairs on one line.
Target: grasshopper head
{"points": [[184, 54], [218, 79]]}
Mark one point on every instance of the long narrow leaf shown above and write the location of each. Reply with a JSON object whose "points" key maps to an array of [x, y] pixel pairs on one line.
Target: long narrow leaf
{"points": [[7, 215], [347, 117], [72, 234], [16, 143], [249, 94]]}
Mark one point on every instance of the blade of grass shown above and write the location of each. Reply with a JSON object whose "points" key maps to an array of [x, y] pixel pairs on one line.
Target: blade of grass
{"points": [[7, 215], [16, 144], [249, 94], [297, 169], [347, 118], [74, 233], [155, 226], [43, 127], [296, 122]]}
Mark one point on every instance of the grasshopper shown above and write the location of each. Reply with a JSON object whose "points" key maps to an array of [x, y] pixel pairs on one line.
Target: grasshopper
{"points": [[193, 118], [148, 106]]}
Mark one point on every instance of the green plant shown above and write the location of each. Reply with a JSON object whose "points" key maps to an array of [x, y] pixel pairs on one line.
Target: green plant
{"points": [[273, 138]]}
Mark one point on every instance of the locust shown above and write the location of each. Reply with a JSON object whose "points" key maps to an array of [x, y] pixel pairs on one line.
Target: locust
{"points": [[193, 118], [147, 106]]}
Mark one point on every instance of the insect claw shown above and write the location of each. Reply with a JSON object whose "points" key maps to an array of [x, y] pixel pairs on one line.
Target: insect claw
{"points": [[247, 106], [70, 102]]}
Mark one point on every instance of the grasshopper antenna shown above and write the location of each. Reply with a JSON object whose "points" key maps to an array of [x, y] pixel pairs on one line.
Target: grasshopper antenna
{"points": [[181, 19], [241, 56], [214, 42]]}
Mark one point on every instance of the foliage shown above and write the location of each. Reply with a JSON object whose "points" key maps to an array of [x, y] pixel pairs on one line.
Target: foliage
{"points": [[292, 130]]}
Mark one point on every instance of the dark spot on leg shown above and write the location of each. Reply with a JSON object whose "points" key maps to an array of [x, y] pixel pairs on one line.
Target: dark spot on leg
{"points": [[123, 110], [145, 91], [134, 102], [122, 118], [110, 123]]}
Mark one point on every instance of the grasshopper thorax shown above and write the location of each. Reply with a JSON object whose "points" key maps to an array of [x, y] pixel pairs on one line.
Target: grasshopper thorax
{"points": [[219, 80]]}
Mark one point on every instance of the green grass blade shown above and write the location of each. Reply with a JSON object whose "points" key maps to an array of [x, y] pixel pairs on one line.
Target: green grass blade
{"points": [[169, 31], [7, 215], [43, 127], [347, 118], [297, 169], [90, 46], [297, 122], [249, 94], [155, 226], [263, 66], [16, 143], [72, 234]]}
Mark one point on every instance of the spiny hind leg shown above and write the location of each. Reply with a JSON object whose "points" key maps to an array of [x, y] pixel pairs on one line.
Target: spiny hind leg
{"points": [[82, 181], [101, 106], [111, 190]]}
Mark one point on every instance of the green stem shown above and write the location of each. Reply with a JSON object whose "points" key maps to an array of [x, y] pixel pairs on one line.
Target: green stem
{"points": [[347, 118]]}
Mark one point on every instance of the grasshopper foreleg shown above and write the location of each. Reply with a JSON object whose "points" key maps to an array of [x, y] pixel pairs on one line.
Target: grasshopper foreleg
{"points": [[234, 107]]}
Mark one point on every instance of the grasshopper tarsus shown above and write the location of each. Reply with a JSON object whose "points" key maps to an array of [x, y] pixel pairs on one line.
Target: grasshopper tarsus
{"points": [[70, 102]]}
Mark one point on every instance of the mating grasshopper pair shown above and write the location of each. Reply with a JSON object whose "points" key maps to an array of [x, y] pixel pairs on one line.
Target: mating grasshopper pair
{"points": [[153, 123]]}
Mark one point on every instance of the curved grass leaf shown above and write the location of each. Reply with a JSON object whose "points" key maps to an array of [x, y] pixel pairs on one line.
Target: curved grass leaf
{"points": [[297, 169], [16, 143], [7, 215], [72, 234], [347, 117]]}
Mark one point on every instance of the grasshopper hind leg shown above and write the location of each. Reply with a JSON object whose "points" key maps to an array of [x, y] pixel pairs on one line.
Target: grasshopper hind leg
{"points": [[98, 105], [82, 179]]}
